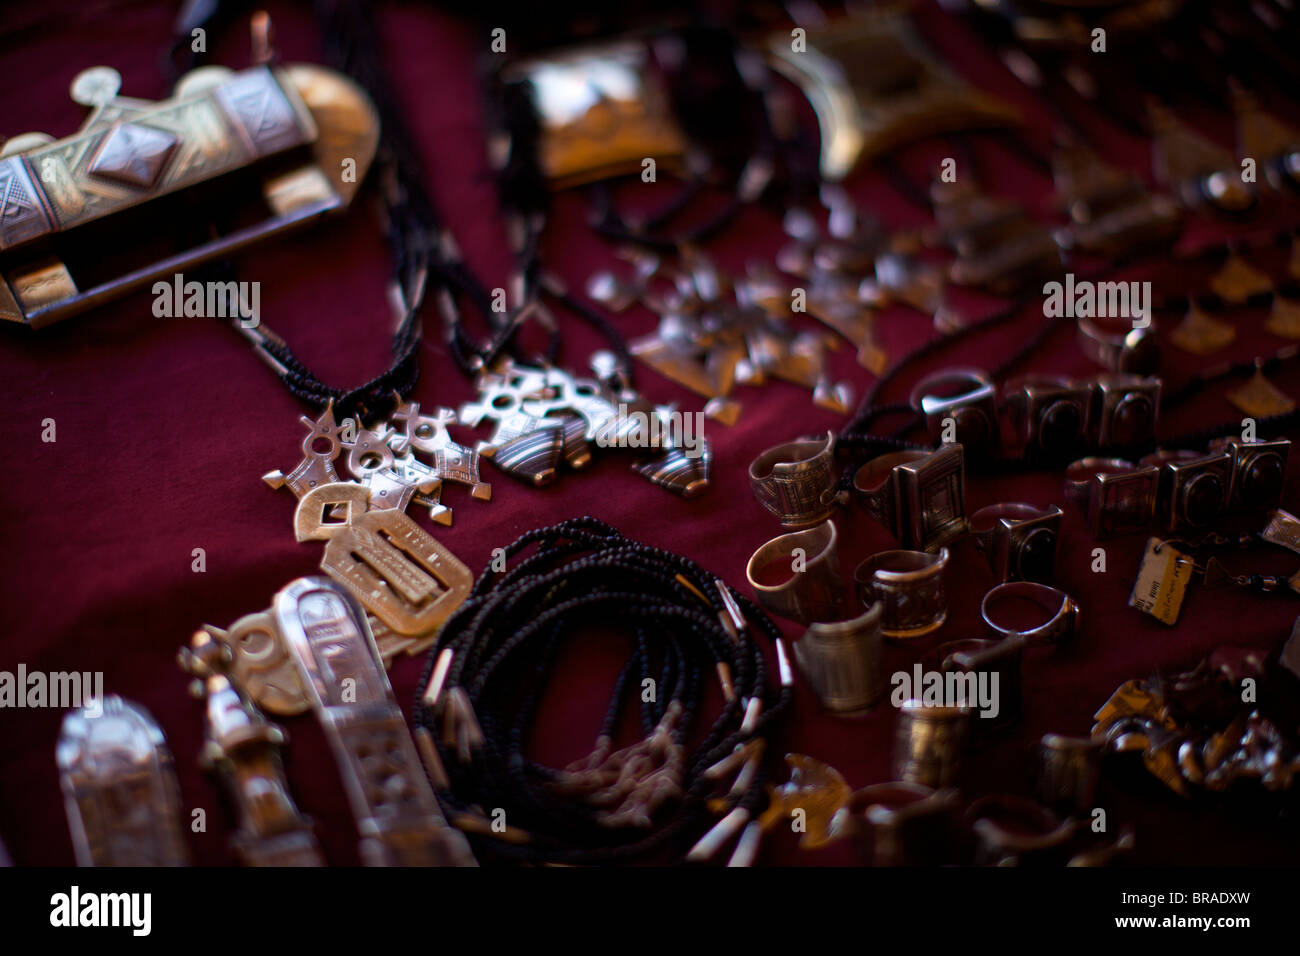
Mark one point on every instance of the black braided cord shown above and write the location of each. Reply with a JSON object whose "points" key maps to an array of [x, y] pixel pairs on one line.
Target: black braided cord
{"points": [[583, 573]]}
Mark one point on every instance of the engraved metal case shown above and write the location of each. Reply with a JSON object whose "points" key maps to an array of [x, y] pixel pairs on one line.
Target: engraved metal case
{"points": [[261, 149], [331, 643]]}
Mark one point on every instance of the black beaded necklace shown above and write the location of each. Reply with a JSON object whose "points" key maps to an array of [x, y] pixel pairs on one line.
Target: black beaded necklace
{"points": [[484, 681]]}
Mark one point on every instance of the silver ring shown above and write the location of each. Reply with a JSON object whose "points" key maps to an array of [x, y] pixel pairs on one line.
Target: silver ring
{"points": [[905, 824], [842, 661], [920, 496], [1018, 539], [807, 566], [910, 585], [974, 411], [1118, 496], [975, 655], [929, 743], [795, 481], [1060, 627]]}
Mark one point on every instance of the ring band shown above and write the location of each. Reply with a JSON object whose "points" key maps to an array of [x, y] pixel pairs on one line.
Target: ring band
{"points": [[795, 481], [1009, 828], [1019, 539], [1079, 475], [929, 743], [842, 661], [1060, 627], [1069, 771], [910, 585], [811, 592]]}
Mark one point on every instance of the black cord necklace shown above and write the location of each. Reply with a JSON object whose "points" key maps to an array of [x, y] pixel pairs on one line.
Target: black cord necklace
{"points": [[484, 681]]}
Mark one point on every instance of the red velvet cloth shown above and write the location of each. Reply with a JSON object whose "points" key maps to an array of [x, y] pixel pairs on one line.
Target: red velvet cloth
{"points": [[164, 427]]}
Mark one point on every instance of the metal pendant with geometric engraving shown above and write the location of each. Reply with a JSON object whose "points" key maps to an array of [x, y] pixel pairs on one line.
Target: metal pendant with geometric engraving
{"points": [[119, 788], [397, 571]]}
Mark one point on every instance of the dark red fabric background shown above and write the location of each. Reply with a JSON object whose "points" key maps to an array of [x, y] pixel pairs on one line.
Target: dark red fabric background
{"points": [[164, 427]]}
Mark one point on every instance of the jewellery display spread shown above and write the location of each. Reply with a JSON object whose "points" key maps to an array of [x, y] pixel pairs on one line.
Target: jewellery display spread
{"points": [[1055, 451]]}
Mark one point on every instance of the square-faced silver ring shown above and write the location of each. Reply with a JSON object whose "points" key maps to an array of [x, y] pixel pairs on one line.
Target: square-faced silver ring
{"points": [[920, 496], [1119, 496], [1018, 539], [1192, 487]]}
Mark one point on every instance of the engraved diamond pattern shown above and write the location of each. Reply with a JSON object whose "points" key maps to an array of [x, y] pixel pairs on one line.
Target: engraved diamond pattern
{"points": [[133, 154]]}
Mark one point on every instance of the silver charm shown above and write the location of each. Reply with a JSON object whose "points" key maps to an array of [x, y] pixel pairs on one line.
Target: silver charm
{"points": [[452, 461], [319, 449], [542, 416]]}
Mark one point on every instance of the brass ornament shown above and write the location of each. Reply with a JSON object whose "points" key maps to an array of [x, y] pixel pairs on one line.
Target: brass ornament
{"points": [[542, 416], [1198, 170], [819, 791], [602, 111], [1112, 214], [244, 750], [1200, 334], [1260, 398], [312, 520], [875, 86], [452, 461], [384, 462], [320, 449], [998, 247], [397, 572], [718, 331], [1238, 280], [1264, 138], [1284, 318], [258, 662]]}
